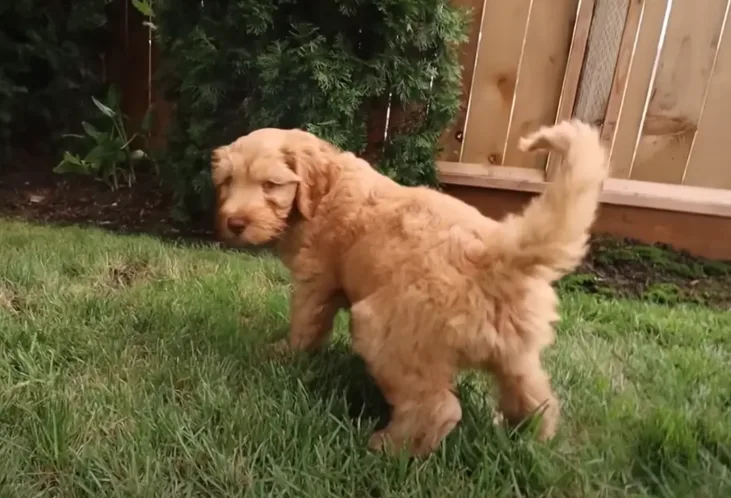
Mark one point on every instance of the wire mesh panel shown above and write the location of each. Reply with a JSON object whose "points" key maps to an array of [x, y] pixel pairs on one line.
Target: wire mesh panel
{"points": [[601, 58]]}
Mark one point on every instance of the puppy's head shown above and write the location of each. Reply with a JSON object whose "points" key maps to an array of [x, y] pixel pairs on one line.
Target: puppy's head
{"points": [[265, 176]]}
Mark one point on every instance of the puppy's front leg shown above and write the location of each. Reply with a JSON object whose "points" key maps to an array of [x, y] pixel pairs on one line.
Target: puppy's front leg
{"points": [[312, 312]]}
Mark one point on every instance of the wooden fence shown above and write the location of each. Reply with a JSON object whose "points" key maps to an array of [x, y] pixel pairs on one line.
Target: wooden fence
{"points": [[654, 74]]}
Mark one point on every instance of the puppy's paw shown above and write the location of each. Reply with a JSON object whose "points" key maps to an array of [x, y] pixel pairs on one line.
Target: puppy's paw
{"points": [[498, 419], [279, 348], [379, 441]]}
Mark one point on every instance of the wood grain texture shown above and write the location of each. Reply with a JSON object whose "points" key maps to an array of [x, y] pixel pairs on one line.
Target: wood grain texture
{"points": [[632, 81], [540, 76], [684, 231], [453, 137], [680, 87], [573, 72], [496, 73], [708, 163], [163, 108], [680, 198]]}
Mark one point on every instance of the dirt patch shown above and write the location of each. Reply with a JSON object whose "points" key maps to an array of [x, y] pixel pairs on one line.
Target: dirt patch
{"points": [[656, 273], [11, 301], [126, 274], [29, 190]]}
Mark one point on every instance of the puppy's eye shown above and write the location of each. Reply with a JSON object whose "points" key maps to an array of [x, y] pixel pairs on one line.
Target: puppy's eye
{"points": [[268, 185]]}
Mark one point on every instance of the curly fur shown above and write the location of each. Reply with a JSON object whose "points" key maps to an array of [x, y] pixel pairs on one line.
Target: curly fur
{"points": [[433, 286]]}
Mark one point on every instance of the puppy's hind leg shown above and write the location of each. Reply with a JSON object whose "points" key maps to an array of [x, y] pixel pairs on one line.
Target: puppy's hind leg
{"points": [[415, 383], [525, 389]]}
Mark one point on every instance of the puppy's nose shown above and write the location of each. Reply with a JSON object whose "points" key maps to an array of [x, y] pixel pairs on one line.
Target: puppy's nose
{"points": [[236, 224]]}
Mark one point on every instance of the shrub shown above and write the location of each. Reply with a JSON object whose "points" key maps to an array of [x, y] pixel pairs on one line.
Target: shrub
{"points": [[320, 65], [48, 52]]}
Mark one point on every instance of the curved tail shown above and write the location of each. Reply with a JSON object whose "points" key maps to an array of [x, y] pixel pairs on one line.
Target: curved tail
{"points": [[549, 238]]}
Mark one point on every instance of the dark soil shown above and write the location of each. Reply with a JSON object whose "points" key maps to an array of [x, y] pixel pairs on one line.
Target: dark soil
{"points": [[29, 190], [624, 268]]}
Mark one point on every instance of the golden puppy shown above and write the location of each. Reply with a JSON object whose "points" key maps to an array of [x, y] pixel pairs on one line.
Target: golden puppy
{"points": [[432, 285]]}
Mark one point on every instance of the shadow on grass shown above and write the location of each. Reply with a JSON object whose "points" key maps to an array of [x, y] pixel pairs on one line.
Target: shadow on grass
{"points": [[475, 443], [344, 374]]}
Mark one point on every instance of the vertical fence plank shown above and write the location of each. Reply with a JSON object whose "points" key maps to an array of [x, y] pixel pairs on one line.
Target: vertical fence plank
{"points": [[128, 60], [376, 128], [680, 87], [632, 79], [136, 71], [619, 90], [708, 164], [116, 52], [452, 139], [163, 109], [541, 75], [496, 72], [574, 69]]}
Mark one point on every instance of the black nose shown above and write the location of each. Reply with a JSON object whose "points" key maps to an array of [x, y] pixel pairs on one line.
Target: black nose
{"points": [[236, 224]]}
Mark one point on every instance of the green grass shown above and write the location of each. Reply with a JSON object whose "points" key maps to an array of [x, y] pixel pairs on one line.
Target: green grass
{"points": [[130, 367]]}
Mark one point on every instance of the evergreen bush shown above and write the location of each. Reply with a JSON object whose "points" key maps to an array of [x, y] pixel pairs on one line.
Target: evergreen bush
{"points": [[321, 65], [48, 66]]}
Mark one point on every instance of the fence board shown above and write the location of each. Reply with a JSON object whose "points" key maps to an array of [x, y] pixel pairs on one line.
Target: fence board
{"points": [[163, 109], [632, 80], [680, 87], [574, 69], [129, 61], [503, 29], [453, 137], [541, 75], [617, 92], [116, 53], [708, 162]]}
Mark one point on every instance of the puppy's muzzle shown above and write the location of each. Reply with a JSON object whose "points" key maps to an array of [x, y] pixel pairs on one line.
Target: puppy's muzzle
{"points": [[236, 224]]}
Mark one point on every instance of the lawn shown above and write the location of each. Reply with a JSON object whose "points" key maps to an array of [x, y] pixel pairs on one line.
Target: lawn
{"points": [[133, 367]]}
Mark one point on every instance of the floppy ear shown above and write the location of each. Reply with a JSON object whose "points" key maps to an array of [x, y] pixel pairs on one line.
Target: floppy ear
{"points": [[220, 164], [311, 161]]}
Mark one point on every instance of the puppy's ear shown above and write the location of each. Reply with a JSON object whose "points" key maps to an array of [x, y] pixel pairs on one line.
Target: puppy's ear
{"points": [[310, 160], [220, 164]]}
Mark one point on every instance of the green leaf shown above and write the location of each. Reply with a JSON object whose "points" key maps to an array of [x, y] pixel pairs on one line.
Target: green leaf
{"points": [[73, 164], [72, 158], [144, 7], [98, 154], [113, 97], [91, 131], [107, 111]]}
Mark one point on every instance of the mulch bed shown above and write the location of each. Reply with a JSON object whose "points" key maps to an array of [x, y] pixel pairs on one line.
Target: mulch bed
{"points": [[29, 190]]}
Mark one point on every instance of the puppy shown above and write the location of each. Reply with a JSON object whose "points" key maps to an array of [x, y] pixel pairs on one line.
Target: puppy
{"points": [[433, 286]]}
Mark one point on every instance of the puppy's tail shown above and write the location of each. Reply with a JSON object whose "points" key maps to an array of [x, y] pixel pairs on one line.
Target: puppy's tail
{"points": [[549, 239]]}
